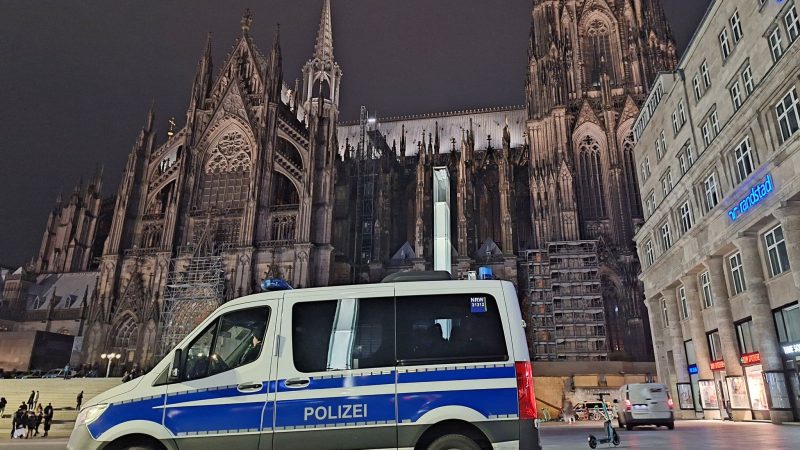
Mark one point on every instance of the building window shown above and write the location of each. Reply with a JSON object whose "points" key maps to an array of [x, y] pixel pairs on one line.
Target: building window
{"points": [[714, 346], [724, 44], [683, 162], [776, 251], [646, 168], [736, 96], [712, 198], [696, 85], [666, 182], [666, 236], [659, 150], [775, 46], [744, 334], [792, 23], [715, 123], [706, 134], [705, 74], [591, 178], [705, 287], [737, 273], [788, 112], [686, 217], [649, 253], [664, 314], [683, 302], [787, 320], [675, 125], [736, 27], [747, 79], [651, 204], [744, 159]]}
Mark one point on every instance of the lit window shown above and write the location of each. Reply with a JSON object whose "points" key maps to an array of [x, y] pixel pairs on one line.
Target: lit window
{"points": [[666, 236], [747, 79], [686, 217], [775, 45], [650, 254], [736, 27], [724, 44], [744, 159], [705, 285], [776, 251], [737, 273], [706, 76], [684, 302], [664, 314], [710, 186], [788, 112], [696, 84], [792, 23], [736, 96], [715, 123]]}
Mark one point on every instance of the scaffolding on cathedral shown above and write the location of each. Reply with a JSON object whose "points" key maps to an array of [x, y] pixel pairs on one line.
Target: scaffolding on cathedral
{"points": [[366, 172], [195, 288], [564, 302]]}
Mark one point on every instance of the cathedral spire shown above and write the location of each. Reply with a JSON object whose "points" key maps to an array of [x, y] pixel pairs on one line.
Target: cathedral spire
{"points": [[247, 21], [202, 77], [324, 47], [275, 69]]}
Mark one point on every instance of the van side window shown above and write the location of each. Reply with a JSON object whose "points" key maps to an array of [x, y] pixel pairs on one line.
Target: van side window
{"points": [[343, 334], [232, 341], [446, 329]]}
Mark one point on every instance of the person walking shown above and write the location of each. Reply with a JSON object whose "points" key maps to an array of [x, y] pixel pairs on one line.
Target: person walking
{"points": [[31, 399], [39, 417], [66, 372], [79, 400], [30, 423], [35, 399], [3, 404], [48, 418], [568, 412], [16, 420]]}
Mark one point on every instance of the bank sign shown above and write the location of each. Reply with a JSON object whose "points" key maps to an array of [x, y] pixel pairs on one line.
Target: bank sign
{"points": [[754, 197]]}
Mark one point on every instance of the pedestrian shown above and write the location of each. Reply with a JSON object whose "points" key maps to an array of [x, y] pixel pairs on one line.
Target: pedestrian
{"points": [[30, 423], [3, 404], [36, 399], [79, 400], [31, 400], [96, 369], [66, 372], [39, 416], [24, 406], [16, 420], [48, 418], [568, 412]]}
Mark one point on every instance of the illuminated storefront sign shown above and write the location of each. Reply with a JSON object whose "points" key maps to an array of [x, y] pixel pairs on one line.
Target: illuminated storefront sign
{"points": [[757, 193], [718, 365], [692, 369], [791, 349], [750, 358]]}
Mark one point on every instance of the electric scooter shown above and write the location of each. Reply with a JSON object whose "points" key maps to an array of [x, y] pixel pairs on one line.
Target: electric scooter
{"points": [[611, 434]]}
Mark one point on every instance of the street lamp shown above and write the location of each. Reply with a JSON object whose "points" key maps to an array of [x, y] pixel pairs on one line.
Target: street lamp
{"points": [[110, 357]]}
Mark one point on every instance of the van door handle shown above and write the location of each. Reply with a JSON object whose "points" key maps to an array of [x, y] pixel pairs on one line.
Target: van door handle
{"points": [[249, 386], [297, 383]]}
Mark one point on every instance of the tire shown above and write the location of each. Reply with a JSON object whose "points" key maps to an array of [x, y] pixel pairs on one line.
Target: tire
{"points": [[615, 439], [592, 442], [628, 427], [454, 442], [671, 426]]}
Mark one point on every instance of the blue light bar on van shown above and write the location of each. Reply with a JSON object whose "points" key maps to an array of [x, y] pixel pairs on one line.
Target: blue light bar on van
{"points": [[274, 284], [485, 273]]}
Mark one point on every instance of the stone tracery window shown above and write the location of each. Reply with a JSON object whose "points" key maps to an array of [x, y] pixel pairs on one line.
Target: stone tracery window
{"points": [[630, 176], [591, 179], [597, 54], [127, 334], [226, 173]]}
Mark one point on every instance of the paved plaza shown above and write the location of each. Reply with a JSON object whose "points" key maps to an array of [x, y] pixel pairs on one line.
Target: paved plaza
{"points": [[694, 434]]}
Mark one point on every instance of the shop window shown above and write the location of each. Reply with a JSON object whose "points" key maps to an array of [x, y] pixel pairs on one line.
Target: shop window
{"points": [[746, 337]]}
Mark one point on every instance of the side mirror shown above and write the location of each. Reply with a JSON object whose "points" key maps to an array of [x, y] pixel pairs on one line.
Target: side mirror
{"points": [[176, 369]]}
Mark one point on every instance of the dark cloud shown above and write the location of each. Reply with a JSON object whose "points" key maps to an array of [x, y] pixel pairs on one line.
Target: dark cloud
{"points": [[76, 78]]}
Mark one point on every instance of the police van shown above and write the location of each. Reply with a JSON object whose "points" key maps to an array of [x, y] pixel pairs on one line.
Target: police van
{"points": [[410, 364]]}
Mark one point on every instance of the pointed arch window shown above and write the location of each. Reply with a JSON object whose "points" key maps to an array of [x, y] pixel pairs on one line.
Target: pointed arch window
{"points": [[591, 179], [630, 176], [226, 173], [597, 52], [127, 334]]}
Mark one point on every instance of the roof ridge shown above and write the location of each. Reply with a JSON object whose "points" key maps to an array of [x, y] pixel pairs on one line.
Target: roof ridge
{"points": [[436, 115]]}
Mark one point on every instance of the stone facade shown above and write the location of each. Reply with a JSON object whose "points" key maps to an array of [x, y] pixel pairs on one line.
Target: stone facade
{"points": [[717, 149]]}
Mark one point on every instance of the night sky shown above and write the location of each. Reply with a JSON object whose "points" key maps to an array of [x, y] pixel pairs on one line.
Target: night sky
{"points": [[77, 77]]}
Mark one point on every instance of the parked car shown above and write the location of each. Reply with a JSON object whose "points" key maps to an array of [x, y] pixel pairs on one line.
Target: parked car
{"points": [[57, 373], [646, 404], [31, 374]]}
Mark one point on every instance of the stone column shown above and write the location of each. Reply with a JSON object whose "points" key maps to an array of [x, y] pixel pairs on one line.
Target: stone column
{"points": [[725, 327], [763, 323], [699, 339], [678, 351], [789, 215]]}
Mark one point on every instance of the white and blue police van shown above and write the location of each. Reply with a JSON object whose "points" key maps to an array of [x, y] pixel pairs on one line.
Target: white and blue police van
{"points": [[412, 363]]}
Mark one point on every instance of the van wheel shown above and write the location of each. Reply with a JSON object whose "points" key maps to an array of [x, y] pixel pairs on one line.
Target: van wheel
{"points": [[454, 442], [671, 425]]}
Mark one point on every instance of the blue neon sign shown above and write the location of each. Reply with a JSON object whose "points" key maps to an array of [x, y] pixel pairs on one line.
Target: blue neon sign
{"points": [[757, 193], [692, 369]]}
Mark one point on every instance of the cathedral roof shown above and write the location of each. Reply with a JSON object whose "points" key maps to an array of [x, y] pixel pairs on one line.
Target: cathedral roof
{"points": [[68, 290], [452, 125]]}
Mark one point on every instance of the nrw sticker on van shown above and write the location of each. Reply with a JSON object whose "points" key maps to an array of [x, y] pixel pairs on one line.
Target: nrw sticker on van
{"points": [[477, 304]]}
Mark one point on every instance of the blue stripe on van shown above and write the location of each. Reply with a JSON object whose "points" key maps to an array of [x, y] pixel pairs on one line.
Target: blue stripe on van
{"points": [[116, 413], [456, 374], [342, 382], [488, 402]]}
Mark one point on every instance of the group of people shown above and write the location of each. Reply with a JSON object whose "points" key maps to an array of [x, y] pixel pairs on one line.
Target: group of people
{"points": [[25, 422]]}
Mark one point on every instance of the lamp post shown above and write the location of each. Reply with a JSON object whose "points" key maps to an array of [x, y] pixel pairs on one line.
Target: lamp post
{"points": [[110, 357]]}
